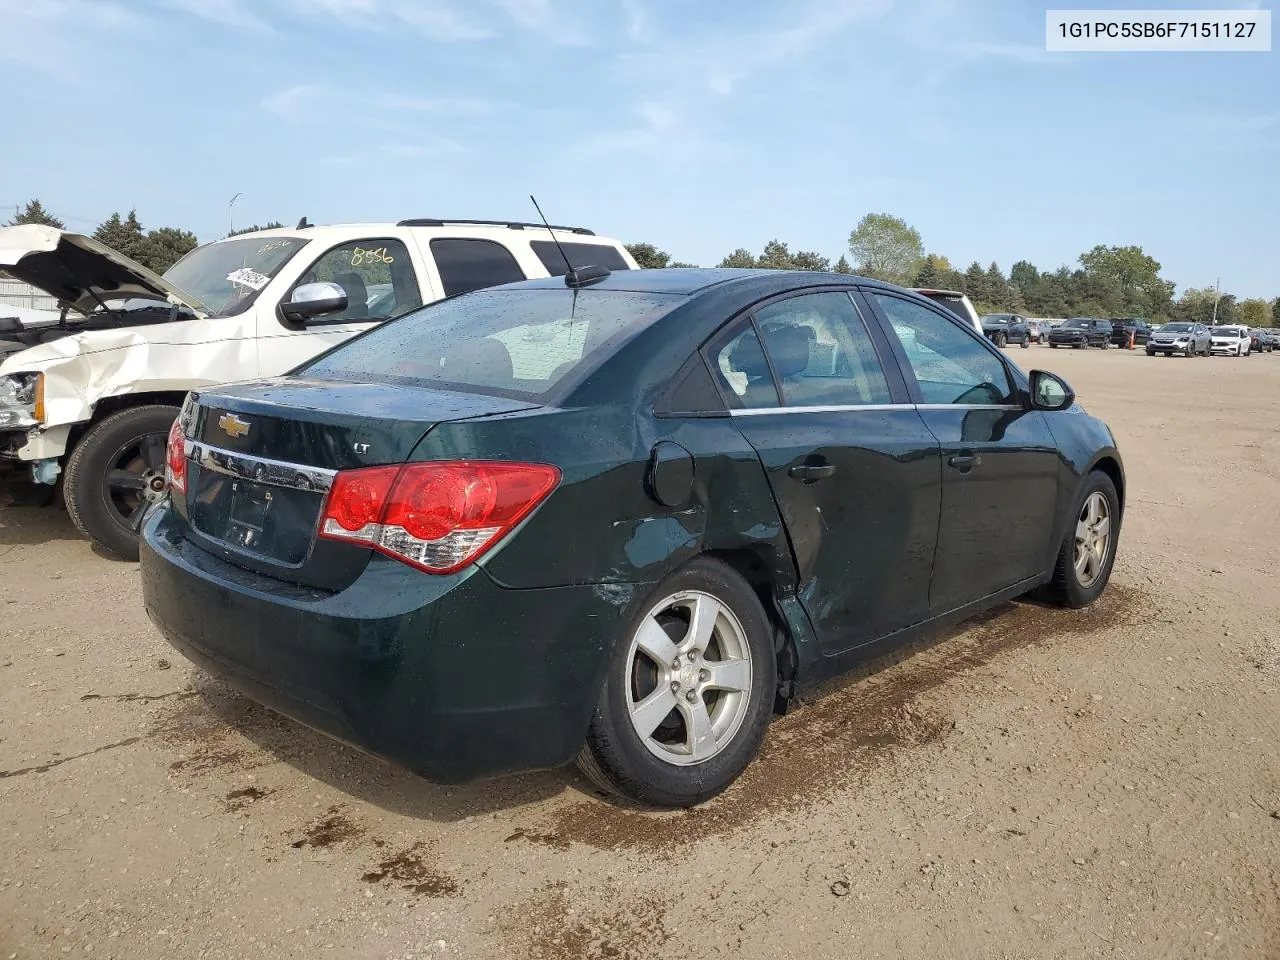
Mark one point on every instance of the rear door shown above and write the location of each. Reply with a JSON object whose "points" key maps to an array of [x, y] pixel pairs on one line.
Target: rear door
{"points": [[999, 460], [853, 468]]}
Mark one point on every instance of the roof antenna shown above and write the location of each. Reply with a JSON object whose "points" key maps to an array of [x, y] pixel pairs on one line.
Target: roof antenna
{"points": [[568, 267]]}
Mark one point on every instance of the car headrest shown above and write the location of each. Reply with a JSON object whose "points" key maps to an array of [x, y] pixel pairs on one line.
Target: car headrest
{"points": [[789, 348], [748, 358], [486, 356]]}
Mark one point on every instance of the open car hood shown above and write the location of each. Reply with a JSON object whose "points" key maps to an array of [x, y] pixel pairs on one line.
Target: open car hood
{"points": [[74, 268]]}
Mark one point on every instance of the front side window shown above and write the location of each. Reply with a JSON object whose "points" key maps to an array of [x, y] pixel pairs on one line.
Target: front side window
{"points": [[467, 265], [821, 352], [950, 363], [376, 274], [579, 254]]}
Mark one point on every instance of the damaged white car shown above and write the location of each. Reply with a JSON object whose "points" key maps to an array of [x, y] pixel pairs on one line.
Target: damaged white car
{"points": [[88, 402]]}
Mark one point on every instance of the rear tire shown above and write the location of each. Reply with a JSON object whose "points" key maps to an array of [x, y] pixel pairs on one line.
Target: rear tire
{"points": [[1077, 579], [114, 472], [651, 664]]}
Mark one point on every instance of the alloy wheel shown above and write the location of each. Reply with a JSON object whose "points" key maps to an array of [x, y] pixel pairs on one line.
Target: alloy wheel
{"points": [[688, 678], [1093, 538], [135, 478]]}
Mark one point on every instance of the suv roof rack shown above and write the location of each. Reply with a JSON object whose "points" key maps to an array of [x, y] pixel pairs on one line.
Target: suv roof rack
{"points": [[509, 224]]}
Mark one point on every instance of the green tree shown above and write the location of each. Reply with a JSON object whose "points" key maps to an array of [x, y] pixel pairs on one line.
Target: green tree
{"points": [[808, 260], [124, 236], [998, 288], [34, 212], [1195, 304], [1256, 313], [842, 266], [927, 275], [1275, 313], [1228, 309], [885, 247], [975, 283], [739, 258], [1133, 274], [272, 225], [165, 246], [648, 256], [776, 256]]}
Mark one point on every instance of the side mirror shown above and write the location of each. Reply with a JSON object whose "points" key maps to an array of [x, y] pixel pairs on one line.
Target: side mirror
{"points": [[1050, 392], [314, 300]]}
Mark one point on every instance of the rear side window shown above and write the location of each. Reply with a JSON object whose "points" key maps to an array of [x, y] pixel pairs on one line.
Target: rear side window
{"points": [[821, 353], [517, 343], [467, 265], [579, 254]]}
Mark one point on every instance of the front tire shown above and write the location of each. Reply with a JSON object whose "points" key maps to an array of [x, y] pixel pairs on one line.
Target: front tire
{"points": [[689, 692], [1088, 550], [1001, 340], [115, 472]]}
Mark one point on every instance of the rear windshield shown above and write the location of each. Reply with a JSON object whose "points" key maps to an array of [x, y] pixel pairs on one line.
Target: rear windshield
{"points": [[952, 303], [1176, 328], [579, 254], [514, 343]]}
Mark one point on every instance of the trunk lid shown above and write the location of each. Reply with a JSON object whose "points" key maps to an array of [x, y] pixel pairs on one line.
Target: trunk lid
{"points": [[261, 458], [79, 270]]}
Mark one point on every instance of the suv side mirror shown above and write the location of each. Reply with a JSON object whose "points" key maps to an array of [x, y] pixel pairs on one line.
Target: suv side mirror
{"points": [[314, 300], [1050, 392]]}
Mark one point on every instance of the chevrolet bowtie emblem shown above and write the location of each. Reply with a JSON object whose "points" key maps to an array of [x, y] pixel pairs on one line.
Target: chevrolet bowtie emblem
{"points": [[232, 425]]}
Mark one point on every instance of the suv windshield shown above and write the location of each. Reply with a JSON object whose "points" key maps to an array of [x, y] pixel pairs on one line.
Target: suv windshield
{"points": [[227, 276], [512, 343], [1078, 323]]}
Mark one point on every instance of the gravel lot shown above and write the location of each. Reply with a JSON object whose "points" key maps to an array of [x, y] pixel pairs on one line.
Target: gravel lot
{"points": [[1038, 783]]}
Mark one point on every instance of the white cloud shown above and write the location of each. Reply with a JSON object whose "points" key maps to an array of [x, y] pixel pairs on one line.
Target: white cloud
{"points": [[60, 37], [435, 19], [637, 20], [231, 13], [293, 103]]}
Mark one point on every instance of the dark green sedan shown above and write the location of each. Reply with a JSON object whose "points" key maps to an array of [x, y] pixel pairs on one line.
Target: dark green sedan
{"points": [[621, 521]]}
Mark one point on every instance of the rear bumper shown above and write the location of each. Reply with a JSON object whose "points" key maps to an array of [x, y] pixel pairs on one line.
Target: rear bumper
{"points": [[453, 677]]}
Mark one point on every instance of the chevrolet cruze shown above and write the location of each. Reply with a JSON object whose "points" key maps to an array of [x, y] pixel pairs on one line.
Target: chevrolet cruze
{"points": [[617, 518]]}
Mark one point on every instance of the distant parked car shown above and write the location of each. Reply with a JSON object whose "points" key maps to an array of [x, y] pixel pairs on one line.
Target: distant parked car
{"points": [[1121, 329], [1261, 341], [1183, 339], [1039, 330], [956, 302], [1006, 328], [1231, 341], [1082, 332]]}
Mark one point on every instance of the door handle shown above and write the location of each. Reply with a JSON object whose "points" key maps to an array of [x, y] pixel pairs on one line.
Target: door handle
{"points": [[812, 472], [965, 462]]}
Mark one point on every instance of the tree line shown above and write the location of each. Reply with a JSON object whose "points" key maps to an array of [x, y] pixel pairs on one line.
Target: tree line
{"points": [[1107, 281]]}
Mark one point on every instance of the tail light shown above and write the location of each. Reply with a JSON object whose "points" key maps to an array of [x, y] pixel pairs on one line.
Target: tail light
{"points": [[175, 465], [437, 516]]}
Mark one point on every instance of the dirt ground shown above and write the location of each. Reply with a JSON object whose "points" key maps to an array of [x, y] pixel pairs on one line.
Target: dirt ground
{"points": [[1038, 783]]}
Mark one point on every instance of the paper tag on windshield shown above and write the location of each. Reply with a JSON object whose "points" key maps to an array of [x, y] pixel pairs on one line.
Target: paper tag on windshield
{"points": [[248, 278]]}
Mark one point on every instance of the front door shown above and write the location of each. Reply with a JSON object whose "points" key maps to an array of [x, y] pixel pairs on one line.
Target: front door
{"points": [[380, 281], [854, 470], [999, 460]]}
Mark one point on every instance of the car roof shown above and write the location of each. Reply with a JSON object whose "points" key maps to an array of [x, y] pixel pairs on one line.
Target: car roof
{"points": [[931, 290], [689, 281], [499, 230]]}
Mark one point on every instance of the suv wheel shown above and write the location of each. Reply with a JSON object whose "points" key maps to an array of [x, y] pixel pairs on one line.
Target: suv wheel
{"points": [[1001, 339], [115, 472], [689, 691]]}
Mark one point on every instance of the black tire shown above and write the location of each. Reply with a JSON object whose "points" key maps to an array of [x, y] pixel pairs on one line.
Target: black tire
{"points": [[1065, 588], [109, 514], [1026, 342], [615, 757], [1001, 340], [1191, 351], [1053, 346]]}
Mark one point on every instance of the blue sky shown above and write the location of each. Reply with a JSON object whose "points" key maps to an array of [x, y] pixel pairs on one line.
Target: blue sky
{"points": [[699, 126]]}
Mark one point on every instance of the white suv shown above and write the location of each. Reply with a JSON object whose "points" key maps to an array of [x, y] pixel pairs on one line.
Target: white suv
{"points": [[956, 302], [94, 396]]}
